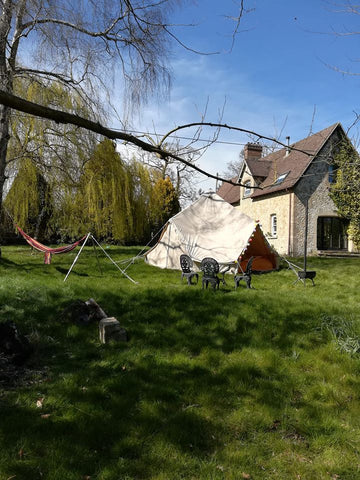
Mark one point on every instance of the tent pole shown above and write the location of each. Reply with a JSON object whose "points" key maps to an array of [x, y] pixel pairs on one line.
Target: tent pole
{"points": [[77, 256], [112, 261]]}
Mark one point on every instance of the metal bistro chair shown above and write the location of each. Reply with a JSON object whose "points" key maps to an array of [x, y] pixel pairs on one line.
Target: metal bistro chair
{"points": [[187, 272], [246, 275], [210, 268]]}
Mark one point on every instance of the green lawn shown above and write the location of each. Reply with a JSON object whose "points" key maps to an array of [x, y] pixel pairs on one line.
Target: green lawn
{"points": [[260, 384]]}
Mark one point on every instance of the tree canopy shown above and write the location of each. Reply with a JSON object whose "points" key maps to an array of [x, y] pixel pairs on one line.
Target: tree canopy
{"points": [[345, 191], [118, 201]]}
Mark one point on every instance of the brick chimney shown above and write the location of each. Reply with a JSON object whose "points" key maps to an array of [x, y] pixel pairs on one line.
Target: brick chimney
{"points": [[252, 151]]}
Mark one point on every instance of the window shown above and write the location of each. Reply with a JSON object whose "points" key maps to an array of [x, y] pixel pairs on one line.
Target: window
{"points": [[281, 178], [273, 225], [247, 188], [331, 174]]}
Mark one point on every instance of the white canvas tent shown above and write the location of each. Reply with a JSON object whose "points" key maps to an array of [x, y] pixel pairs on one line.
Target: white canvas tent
{"points": [[211, 227]]}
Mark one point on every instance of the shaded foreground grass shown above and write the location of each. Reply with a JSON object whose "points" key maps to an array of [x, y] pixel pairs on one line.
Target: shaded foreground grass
{"points": [[212, 385]]}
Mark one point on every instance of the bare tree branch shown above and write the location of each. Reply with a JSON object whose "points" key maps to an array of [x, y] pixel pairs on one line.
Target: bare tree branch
{"points": [[256, 135], [59, 116]]}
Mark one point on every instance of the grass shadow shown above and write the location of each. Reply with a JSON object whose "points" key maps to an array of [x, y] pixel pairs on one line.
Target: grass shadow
{"points": [[64, 271], [208, 382]]}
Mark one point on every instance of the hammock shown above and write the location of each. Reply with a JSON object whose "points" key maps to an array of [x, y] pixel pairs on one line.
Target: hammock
{"points": [[47, 250]]}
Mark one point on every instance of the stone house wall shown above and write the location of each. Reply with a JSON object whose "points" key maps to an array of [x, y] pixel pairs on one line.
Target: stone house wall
{"points": [[314, 186]]}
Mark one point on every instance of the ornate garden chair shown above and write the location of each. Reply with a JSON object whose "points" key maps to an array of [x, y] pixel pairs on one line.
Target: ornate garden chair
{"points": [[246, 275], [187, 272], [210, 268]]}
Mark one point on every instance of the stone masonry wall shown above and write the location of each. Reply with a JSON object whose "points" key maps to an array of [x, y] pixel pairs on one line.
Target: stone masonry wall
{"points": [[314, 186]]}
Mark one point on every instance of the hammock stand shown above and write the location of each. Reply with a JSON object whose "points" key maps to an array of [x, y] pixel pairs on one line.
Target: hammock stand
{"points": [[90, 235], [48, 251]]}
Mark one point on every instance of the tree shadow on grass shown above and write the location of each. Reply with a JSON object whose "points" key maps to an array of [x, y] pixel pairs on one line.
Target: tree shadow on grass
{"points": [[6, 262], [64, 271], [141, 408], [90, 430]]}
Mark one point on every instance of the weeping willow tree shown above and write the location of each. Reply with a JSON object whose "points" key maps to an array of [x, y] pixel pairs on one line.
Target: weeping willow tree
{"points": [[59, 150], [165, 201], [101, 203], [92, 187], [29, 199], [141, 188], [54, 154], [118, 201]]}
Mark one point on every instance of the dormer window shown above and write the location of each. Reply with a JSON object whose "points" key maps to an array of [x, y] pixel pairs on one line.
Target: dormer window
{"points": [[247, 189], [281, 178]]}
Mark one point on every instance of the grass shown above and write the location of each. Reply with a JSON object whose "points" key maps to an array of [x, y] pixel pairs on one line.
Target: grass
{"points": [[260, 384]]}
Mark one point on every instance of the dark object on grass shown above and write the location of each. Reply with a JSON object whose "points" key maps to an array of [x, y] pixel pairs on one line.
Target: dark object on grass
{"points": [[210, 268], [95, 311], [304, 274], [246, 275], [187, 269], [83, 313], [14, 346], [110, 330]]}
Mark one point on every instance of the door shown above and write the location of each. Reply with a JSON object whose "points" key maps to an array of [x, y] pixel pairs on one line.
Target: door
{"points": [[331, 233]]}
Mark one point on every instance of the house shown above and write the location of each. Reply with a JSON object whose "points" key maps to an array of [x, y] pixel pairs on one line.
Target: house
{"points": [[277, 188]]}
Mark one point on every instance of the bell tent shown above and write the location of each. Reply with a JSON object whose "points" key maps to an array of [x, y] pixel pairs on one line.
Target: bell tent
{"points": [[211, 227]]}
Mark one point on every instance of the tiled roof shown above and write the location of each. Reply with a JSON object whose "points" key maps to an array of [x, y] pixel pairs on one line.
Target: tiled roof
{"points": [[258, 167], [294, 164], [230, 193]]}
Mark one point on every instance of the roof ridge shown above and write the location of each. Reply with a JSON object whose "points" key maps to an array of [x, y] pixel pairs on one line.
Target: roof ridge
{"points": [[331, 128], [297, 160]]}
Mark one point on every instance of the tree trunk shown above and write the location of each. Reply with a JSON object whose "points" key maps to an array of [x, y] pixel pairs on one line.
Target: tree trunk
{"points": [[8, 53], [6, 84], [4, 140]]}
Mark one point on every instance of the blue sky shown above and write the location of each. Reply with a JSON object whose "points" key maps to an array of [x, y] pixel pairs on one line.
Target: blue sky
{"points": [[277, 74]]}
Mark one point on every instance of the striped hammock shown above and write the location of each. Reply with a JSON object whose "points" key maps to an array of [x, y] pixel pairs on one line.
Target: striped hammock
{"points": [[48, 252]]}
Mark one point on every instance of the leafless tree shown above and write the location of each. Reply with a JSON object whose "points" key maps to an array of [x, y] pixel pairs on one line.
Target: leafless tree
{"points": [[233, 167], [351, 11], [80, 44]]}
